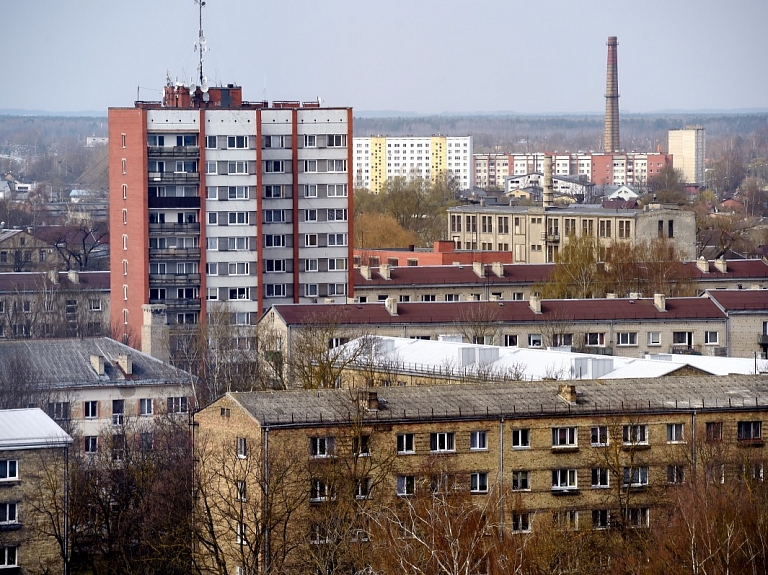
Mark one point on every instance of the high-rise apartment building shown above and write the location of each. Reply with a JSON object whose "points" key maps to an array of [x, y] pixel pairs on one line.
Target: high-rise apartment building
{"points": [[380, 158], [214, 200], [688, 150], [630, 168]]}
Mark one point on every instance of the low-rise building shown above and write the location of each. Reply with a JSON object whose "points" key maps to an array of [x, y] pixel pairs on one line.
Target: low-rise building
{"points": [[537, 234], [97, 386], [33, 453], [597, 455], [747, 312]]}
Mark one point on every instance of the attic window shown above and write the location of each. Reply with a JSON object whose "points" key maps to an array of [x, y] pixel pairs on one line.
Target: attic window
{"points": [[225, 412]]}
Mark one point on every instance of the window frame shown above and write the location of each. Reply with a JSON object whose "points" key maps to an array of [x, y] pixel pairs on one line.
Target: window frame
{"points": [[565, 437], [5, 470], [478, 440], [442, 442], [478, 482], [403, 446], [521, 438]]}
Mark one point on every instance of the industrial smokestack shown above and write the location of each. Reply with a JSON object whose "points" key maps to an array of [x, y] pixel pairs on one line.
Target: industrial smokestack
{"points": [[612, 98], [548, 185]]}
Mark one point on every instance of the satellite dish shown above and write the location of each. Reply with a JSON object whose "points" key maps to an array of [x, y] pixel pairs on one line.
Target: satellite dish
{"points": [[202, 40], [204, 85], [192, 87], [206, 96]]}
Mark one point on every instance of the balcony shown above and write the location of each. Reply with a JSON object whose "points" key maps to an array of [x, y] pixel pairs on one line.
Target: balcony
{"points": [[553, 238], [174, 253], [174, 177], [175, 202], [174, 279], [173, 151], [178, 304], [762, 339], [598, 350], [182, 228]]}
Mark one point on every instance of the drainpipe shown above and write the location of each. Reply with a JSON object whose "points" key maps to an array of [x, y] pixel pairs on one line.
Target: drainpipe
{"points": [[501, 476]]}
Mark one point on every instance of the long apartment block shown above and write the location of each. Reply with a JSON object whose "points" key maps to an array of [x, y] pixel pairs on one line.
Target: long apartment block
{"points": [[215, 199]]}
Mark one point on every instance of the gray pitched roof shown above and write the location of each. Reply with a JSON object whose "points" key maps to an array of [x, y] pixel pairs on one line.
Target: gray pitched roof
{"points": [[512, 400], [66, 363]]}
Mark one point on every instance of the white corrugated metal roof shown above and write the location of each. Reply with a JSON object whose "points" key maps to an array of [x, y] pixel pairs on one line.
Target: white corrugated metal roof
{"points": [[419, 356], [30, 429]]}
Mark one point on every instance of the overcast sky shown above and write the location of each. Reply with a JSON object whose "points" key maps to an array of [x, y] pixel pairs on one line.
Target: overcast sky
{"points": [[426, 56]]}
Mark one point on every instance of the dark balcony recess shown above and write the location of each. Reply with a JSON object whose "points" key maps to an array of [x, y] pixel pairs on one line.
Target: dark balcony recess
{"points": [[175, 202]]}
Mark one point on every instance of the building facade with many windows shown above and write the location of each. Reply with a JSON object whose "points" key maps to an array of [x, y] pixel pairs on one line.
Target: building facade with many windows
{"points": [[217, 200], [381, 158], [596, 456]]}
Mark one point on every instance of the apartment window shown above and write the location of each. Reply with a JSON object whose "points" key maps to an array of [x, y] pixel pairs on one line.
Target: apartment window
{"points": [[9, 469], [599, 477], [521, 523], [337, 239], [310, 141], [242, 447], [566, 520], [210, 168], [361, 446], [636, 476], [671, 229], [521, 439], [8, 556], [239, 268], [675, 433], [337, 215], [337, 190], [534, 340], [654, 338], [274, 167], [714, 430], [337, 264], [521, 480], [711, 338], [124, 165], [240, 487], [336, 289], [125, 191], [237, 168], [118, 411], [310, 166], [125, 241], [635, 434], [599, 436], [565, 437], [605, 228], [337, 165], [213, 218], [337, 140], [624, 229], [274, 241], [363, 488], [675, 474], [272, 191], [310, 190], [241, 218], [749, 430], [310, 240], [405, 443], [210, 142], [478, 440], [478, 482], [441, 441], [274, 290], [626, 338], [237, 142], [310, 265], [594, 339], [155, 140], [91, 444], [310, 215], [90, 409], [321, 446], [59, 410], [146, 406], [177, 405], [564, 479], [320, 491], [237, 192], [638, 517], [406, 484]]}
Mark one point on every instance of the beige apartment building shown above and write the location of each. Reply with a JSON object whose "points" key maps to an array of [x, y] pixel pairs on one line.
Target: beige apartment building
{"points": [[33, 452], [537, 234], [591, 456], [688, 149]]}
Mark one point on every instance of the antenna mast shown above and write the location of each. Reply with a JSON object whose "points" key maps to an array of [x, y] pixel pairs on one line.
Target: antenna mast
{"points": [[201, 46]]}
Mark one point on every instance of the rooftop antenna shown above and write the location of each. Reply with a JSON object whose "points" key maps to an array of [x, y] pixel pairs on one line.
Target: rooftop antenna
{"points": [[201, 47]]}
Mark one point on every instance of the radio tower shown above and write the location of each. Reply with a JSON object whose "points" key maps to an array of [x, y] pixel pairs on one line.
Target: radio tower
{"points": [[612, 99]]}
